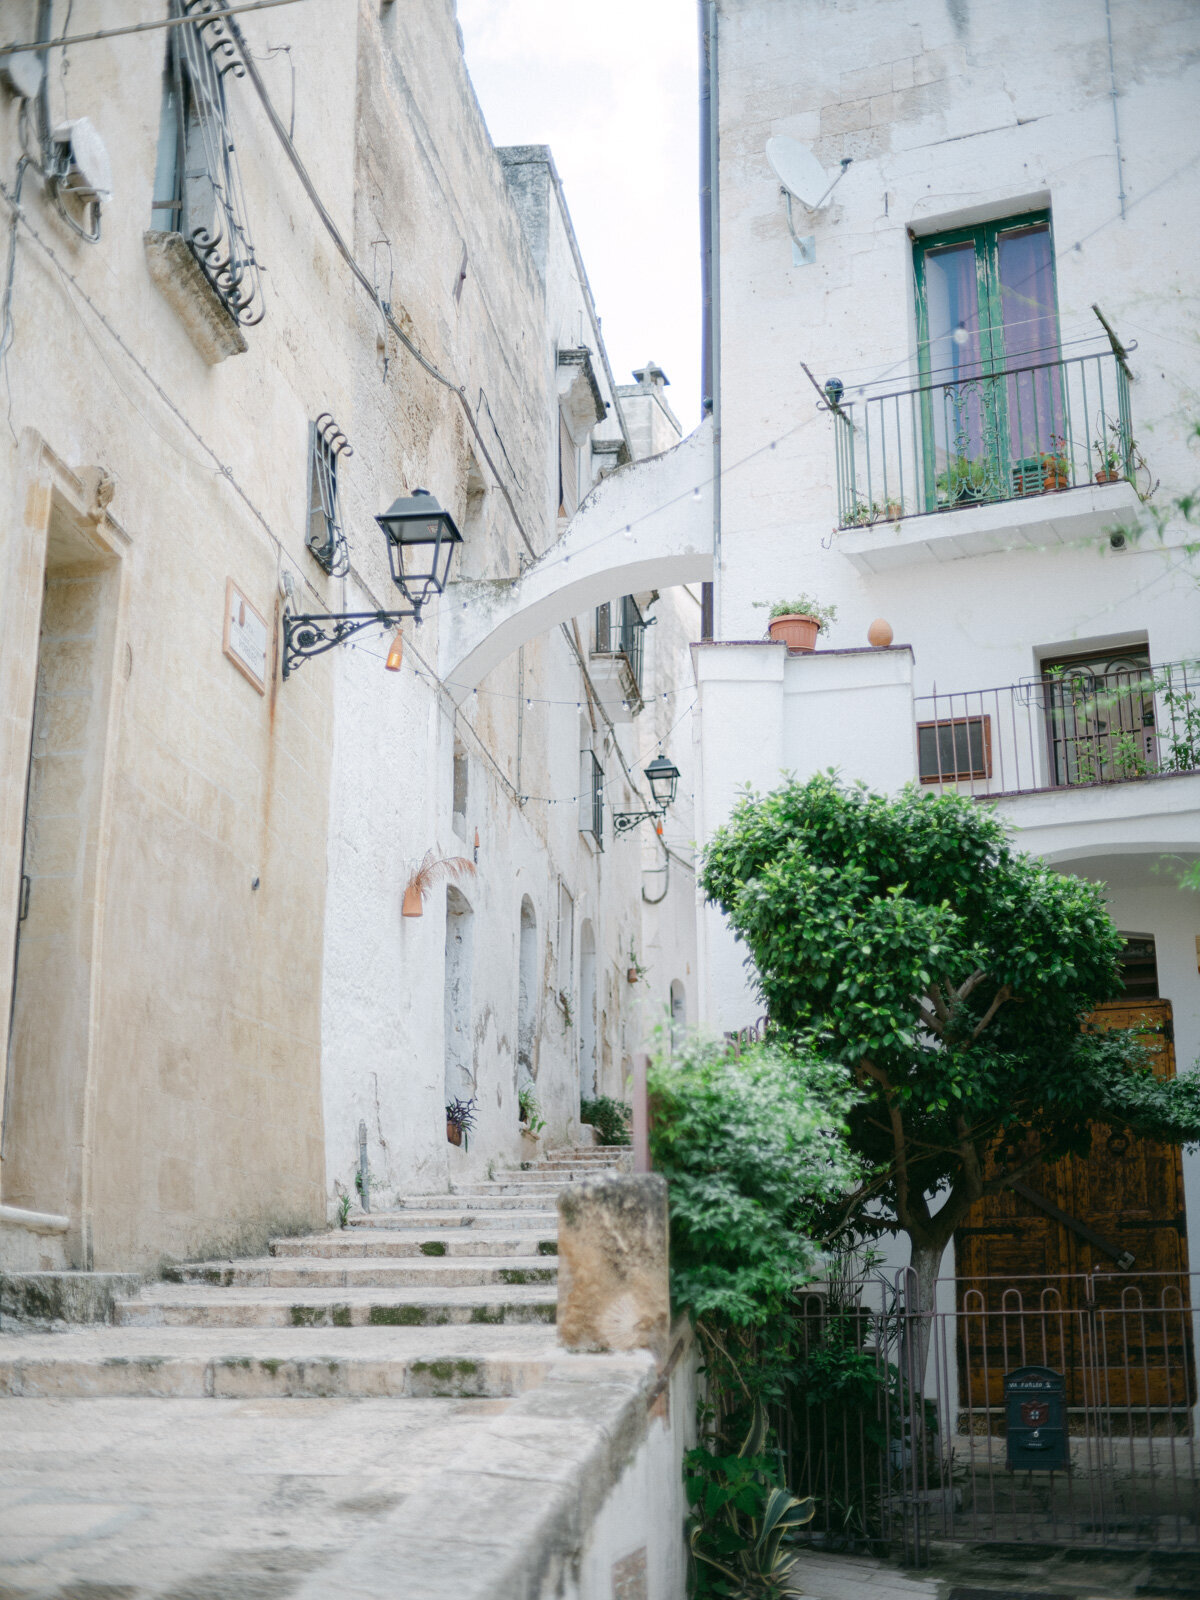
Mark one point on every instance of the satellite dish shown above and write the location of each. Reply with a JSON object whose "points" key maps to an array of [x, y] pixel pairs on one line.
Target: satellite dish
{"points": [[799, 171]]}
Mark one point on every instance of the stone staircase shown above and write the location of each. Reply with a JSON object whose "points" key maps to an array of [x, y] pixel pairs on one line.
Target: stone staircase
{"points": [[471, 1276], [379, 1410]]}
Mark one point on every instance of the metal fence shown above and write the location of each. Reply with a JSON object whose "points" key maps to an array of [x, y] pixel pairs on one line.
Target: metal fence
{"points": [[897, 1425], [998, 435], [1066, 729]]}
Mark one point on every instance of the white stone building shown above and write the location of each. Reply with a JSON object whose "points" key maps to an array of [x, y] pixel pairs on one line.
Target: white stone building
{"points": [[1000, 283], [202, 864]]}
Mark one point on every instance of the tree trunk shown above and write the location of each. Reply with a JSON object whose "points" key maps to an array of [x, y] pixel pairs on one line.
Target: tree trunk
{"points": [[918, 1322]]}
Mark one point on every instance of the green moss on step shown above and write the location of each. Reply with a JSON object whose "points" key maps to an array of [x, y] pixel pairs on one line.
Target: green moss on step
{"points": [[445, 1370], [270, 1365], [547, 1247], [489, 1314], [526, 1275], [340, 1316], [433, 1247], [396, 1316], [307, 1316]]}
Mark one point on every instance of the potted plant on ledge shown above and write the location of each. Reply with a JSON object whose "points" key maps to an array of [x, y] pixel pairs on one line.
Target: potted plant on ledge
{"points": [[798, 622], [532, 1122]]}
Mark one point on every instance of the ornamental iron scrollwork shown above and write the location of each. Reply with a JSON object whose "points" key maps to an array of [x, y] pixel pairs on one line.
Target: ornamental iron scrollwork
{"points": [[305, 636], [325, 536], [209, 202]]}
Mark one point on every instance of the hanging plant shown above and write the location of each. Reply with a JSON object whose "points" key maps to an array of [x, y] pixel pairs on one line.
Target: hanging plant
{"points": [[422, 879]]}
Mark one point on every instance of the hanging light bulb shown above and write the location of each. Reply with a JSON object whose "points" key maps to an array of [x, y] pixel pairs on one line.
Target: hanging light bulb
{"points": [[395, 653]]}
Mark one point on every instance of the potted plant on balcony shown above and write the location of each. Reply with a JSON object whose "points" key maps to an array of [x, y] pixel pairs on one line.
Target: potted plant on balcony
{"points": [[798, 622], [1056, 467], [1110, 452], [963, 481]]}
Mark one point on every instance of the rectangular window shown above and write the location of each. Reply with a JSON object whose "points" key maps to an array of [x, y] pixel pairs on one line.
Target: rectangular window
{"points": [[956, 750], [591, 796], [197, 185], [1100, 717], [621, 630], [993, 406], [566, 940], [325, 538]]}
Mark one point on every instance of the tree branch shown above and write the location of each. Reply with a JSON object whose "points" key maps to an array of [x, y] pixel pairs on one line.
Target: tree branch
{"points": [[931, 1022], [903, 1210], [970, 986], [1002, 994], [939, 1004]]}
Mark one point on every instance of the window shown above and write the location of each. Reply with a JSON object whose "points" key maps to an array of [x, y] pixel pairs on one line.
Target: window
{"points": [[621, 630], [958, 749], [992, 398], [197, 185], [568, 470], [1139, 967], [566, 941], [591, 796], [326, 540], [1100, 717]]}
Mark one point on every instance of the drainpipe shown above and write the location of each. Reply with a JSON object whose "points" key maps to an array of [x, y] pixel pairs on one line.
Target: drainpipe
{"points": [[710, 258]]}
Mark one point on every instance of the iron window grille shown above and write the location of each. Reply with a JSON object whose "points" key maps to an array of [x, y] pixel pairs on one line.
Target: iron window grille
{"points": [[591, 796], [326, 539], [954, 750], [197, 185]]}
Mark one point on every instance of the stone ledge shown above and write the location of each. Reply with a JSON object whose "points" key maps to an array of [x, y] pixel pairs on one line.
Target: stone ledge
{"points": [[32, 1241], [65, 1296], [180, 279]]}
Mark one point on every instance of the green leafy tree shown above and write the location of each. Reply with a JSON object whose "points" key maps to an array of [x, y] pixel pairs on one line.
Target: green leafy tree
{"points": [[950, 978]]}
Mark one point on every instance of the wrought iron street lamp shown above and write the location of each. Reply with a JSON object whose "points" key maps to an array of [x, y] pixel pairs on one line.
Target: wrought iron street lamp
{"points": [[420, 539], [663, 778]]}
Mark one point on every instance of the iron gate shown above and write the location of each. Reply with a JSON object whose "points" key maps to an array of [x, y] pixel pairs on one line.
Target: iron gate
{"points": [[896, 1422]]}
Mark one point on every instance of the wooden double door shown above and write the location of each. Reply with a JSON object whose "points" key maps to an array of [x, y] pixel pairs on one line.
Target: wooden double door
{"points": [[1085, 1267]]}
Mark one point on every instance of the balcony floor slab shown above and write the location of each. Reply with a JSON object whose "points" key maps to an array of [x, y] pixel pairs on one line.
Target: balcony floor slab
{"points": [[1063, 517]]}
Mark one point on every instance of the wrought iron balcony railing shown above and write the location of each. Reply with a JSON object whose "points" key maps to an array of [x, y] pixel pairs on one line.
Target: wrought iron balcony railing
{"points": [[1000, 435], [1070, 728], [620, 630]]}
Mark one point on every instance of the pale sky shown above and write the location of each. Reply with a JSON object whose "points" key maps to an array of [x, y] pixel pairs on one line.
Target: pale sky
{"points": [[612, 89]]}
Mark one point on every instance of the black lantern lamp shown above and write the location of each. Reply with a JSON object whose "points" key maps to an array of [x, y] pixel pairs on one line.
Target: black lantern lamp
{"points": [[663, 778], [420, 540]]}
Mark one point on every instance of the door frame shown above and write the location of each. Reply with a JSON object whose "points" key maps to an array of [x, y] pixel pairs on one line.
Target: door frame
{"points": [[45, 491]]}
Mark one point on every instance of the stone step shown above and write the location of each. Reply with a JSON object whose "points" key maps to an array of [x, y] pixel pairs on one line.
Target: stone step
{"points": [[179, 1306], [347, 1242], [64, 1296], [543, 1222], [546, 1193], [267, 1272], [297, 1363], [471, 1201]]}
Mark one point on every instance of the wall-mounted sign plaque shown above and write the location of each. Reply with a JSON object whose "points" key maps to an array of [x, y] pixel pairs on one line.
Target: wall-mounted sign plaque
{"points": [[246, 634]]}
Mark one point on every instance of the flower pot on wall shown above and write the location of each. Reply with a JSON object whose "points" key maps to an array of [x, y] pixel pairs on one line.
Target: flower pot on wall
{"points": [[413, 905], [798, 632], [453, 1132], [1108, 477]]}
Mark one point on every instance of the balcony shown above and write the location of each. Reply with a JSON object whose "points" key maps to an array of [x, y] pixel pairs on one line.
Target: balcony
{"points": [[1027, 454], [617, 656], [1071, 728]]}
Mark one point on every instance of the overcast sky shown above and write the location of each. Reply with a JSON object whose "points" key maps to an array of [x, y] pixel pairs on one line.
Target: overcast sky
{"points": [[612, 90]]}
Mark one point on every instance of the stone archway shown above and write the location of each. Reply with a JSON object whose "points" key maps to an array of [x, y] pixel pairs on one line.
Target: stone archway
{"points": [[647, 526]]}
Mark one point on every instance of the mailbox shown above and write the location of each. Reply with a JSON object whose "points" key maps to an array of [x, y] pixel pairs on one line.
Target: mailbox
{"points": [[1035, 1416]]}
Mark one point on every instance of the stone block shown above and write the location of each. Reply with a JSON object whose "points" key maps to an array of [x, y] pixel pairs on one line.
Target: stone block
{"points": [[847, 116], [178, 276], [65, 1296], [612, 1265]]}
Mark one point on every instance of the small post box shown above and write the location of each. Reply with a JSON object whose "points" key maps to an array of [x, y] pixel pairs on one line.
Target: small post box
{"points": [[1035, 1416]]}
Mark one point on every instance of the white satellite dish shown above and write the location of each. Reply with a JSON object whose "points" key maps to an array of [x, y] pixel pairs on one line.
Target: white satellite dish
{"points": [[799, 171]]}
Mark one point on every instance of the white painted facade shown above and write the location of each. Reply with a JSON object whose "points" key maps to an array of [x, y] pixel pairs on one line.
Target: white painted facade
{"points": [[952, 113]]}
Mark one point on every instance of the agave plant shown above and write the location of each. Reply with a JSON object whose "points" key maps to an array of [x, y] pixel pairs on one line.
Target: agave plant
{"points": [[740, 1519]]}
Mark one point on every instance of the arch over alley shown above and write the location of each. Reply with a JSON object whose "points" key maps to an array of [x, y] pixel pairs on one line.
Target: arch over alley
{"points": [[647, 526]]}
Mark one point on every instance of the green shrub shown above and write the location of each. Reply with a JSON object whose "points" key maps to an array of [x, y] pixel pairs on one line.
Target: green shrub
{"points": [[610, 1118]]}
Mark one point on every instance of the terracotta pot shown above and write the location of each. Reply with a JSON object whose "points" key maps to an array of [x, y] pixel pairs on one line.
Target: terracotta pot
{"points": [[799, 633], [453, 1132], [1108, 477], [413, 905]]}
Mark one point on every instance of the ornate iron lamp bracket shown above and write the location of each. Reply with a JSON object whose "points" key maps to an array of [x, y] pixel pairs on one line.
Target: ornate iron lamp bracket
{"points": [[623, 821], [312, 635]]}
